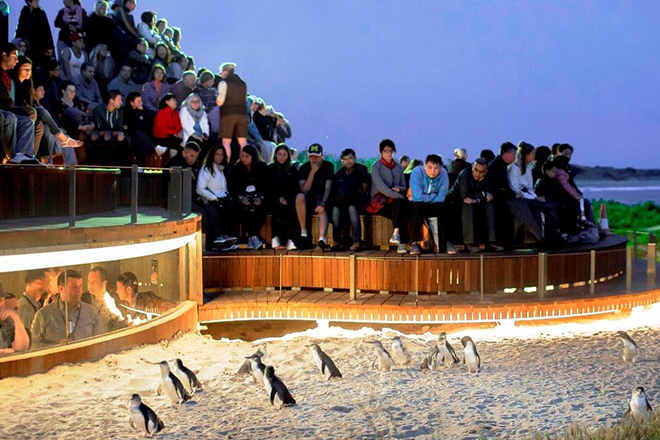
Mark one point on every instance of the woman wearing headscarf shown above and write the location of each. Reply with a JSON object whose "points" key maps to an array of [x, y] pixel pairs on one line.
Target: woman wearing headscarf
{"points": [[194, 119]]}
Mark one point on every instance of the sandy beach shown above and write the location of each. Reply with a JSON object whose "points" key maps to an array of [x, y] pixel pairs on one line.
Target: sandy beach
{"points": [[532, 380]]}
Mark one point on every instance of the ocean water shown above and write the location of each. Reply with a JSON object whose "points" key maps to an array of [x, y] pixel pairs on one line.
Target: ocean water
{"points": [[627, 191]]}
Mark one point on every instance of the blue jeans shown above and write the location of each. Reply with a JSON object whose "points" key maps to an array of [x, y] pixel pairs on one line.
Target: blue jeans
{"points": [[338, 214], [20, 139]]}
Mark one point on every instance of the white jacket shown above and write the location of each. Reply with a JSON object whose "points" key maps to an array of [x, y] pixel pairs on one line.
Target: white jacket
{"points": [[212, 187], [521, 184], [188, 124]]}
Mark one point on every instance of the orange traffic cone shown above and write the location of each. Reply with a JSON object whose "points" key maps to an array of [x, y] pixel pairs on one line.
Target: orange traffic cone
{"points": [[604, 223]]}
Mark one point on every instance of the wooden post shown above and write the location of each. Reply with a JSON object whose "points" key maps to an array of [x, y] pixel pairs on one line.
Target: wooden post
{"points": [[592, 272], [481, 278], [629, 257], [72, 196], [417, 280], [352, 277], [198, 293], [651, 262], [542, 277], [281, 261], [134, 194], [634, 244]]}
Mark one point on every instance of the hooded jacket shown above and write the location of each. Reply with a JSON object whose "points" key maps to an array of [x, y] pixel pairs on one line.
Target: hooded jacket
{"points": [[105, 120]]}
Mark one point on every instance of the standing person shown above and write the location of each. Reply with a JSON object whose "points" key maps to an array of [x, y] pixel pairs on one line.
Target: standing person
{"points": [[71, 21], [32, 299], [50, 325], [349, 192], [281, 187], [34, 27], [72, 58], [213, 191], [388, 188], [315, 178], [100, 28], [232, 96], [155, 89], [167, 125], [126, 34], [247, 187], [429, 185]]}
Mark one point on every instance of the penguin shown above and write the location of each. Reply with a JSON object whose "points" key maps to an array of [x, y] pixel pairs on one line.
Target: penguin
{"points": [[630, 351], [172, 386], [258, 369], [246, 367], [385, 361], [639, 407], [447, 353], [430, 362], [470, 355], [187, 377], [399, 352], [276, 388], [323, 361], [142, 417]]}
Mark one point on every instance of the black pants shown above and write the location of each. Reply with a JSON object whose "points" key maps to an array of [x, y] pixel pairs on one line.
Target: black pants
{"points": [[422, 211], [477, 212], [252, 218], [512, 217], [283, 222], [396, 211], [219, 215], [171, 142]]}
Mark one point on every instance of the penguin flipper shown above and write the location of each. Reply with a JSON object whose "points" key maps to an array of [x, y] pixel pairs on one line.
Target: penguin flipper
{"points": [[648, 405], [453, 354], [132, 423], [323, 367], [273, 392]]}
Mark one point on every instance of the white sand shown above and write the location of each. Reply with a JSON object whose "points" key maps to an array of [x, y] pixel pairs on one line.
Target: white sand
{"points": [[544, 383]]}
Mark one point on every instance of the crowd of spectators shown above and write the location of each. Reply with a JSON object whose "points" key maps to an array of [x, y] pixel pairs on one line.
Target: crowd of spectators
{"points": [[53, 309]]}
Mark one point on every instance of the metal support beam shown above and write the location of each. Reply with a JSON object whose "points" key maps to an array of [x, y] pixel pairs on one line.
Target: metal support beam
{"points": [[134, 194], [72, 196], [651, 262], [629, 257], [352, 277], [592, 272], [542, 274]]}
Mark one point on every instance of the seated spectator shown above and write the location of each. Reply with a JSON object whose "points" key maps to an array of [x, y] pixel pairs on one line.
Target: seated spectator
{"points": [[184, 87], [126, 34], [32, 299], [134, 301], [543, 153], [218, 208], [404, 161], [13, 336], [16, 128], [103, 303], [140, 62], [22, 46], [34, 27], [139, 128], [167, 125], [194, 120], [50, 325], [457, 165], [104, 66], [189, 159], [176, 37], [315, 178], [429, 185], [155, 89], [573, 209], [72, 58], [111, 147], [70, 20], [282, 128], [162, 55], [205, 90], [147, 29], [176, 68], [87, 89], [281, 188], [100, 28], [507, 206], [191, 63], [388, 188], [262, 122], [407, 171], [123, 82], [487, 155], [252, 106], [348, 197], [247, 187], [52, 86], [472, 192], [70, 113]]}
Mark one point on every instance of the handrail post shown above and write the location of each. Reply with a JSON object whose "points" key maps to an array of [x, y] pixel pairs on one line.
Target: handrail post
{"points": [[351, 273], [634, 244], [72, 196], [481, 278], [542, 277], [134, 194], [629, 254], [651, 262], [592, 272], [186, 195], [174, 194]]}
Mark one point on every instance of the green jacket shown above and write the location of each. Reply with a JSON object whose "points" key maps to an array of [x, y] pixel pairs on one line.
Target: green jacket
{"points": [[49, 326]]}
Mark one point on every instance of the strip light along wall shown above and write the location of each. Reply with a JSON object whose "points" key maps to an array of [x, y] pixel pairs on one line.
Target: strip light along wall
{"points": [[42, 260]]}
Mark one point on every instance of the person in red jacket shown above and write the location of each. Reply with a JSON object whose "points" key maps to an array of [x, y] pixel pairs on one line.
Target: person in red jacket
{"points": [[167, 127]]}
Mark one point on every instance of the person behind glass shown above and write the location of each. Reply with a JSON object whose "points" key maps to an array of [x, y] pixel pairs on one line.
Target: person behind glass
{"points": [[167, 125], [32, 299], [473, 193], [155, 89], [130, 297], [281, 188], [388, 188], [13, 334], [457, 165], [247, 186], [67, 318], [103, 303], [315, 178], [349, 193], [217, 205], [428, 185]]}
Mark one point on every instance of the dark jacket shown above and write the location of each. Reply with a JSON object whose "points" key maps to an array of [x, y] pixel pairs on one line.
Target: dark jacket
{"points": [[497, 170], [65, 33], [105, 120], [264, 125], [140, 67], [241, 178], [5, 98], [34, 27], [281, 182], [126, 34], [100, 30], [454, 169], [467, 186], [139, 127]]}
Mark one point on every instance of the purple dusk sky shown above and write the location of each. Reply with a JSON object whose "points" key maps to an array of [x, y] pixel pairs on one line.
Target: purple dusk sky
{"points": [[436, 75]]}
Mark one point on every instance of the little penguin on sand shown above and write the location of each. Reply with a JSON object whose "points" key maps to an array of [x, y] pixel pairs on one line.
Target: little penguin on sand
{"points": [[430, 361], [639, 407], [187, 377], [143, 418], [246, 367], [277, 391], [399, 352], [258, 369], [172, 386], [324, 363], [385, 361], [630, 351], [447, 353], [470, 355]]}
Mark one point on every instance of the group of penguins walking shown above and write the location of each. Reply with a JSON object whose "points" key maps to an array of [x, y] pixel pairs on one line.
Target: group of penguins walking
{"points": [[180, 384]]}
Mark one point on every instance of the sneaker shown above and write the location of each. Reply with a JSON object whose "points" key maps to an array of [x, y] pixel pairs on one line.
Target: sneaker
{"points": [[290, 246], [402, 249], [275, 242], [494, 247], [415, 249], [256, 243], [472, 249], [250, 243], [395, 239], [160, 150], [232, 247], [224, 240], [322, 245], [451, 250], [357, 246], [336, 248]]}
